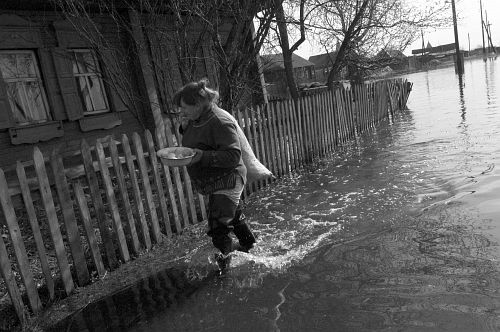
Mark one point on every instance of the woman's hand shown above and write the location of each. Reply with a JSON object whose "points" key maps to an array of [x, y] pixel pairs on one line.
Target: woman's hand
{"points": [[197, 156]]}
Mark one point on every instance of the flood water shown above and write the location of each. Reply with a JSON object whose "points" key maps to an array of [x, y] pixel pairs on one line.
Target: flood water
{"points": [[399, 232]]}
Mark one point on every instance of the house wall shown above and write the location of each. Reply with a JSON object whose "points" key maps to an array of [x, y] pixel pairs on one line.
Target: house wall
{"points": [[58, 105]]}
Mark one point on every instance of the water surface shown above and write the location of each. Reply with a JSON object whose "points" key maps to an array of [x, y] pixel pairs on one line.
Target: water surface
{"points": [[398, 232]]}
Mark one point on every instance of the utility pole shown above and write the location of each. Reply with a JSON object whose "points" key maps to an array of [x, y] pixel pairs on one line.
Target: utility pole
{"points": [[468, 38], [482, 22], [459, 62]]}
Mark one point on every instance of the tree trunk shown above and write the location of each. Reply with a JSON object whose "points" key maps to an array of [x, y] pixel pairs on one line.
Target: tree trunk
{"points": [[287, 53]]}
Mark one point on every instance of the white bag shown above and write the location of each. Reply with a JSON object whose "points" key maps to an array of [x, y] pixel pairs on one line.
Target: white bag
{"points": [[255, 170]]}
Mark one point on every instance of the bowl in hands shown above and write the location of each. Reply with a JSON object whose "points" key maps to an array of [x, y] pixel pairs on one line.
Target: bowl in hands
{"points": [[176, 156]]}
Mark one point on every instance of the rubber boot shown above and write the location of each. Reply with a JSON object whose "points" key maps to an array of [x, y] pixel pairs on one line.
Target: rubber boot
{"points": [[245, 236]]}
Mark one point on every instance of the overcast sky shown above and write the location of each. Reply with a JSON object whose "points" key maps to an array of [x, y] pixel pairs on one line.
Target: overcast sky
{"points": [[469, 23]]}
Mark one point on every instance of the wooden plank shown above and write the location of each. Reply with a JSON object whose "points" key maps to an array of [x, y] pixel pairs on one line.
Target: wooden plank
{"points": [[122, 186], [187, 180], [10, 282], [262, 140], [140, 215], [328, 112], [113, 206], [37, 235], [95, 193], [287, 116], [203, 207], [333, 110], [342, 106], [146, 185], [153, 160], [170, 187], [251, 140], [322, 119], [277, 138], [18, 245], [72, 233], [281, 138], [52, 221], [89, 230], [177, 179], [295, 132], [297, 114], [256, 139], [310, 128], [303, 126]]}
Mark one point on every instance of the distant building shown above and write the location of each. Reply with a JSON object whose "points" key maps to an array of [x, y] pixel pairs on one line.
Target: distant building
{"points": [[437, 50], [273, 68], [323, 63], [394, 59], [432, 56]]}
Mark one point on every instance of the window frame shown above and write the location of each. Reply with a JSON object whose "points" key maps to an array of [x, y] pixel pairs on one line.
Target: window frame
{"points": [[38, 79], [87, 76]]}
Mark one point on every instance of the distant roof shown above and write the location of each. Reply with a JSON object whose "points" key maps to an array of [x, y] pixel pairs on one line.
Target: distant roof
{"points": [[323, 60], [275, 62], [390, 53], [435, 49]]}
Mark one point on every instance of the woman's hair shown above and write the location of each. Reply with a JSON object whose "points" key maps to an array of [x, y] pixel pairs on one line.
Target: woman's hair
{"points": [[196, 92]]}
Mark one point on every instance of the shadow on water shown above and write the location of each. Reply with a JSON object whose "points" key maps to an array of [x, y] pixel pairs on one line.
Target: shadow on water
{"points": [[166, 290]]}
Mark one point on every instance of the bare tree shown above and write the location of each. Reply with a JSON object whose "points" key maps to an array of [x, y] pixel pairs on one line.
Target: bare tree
{"points": [[362, 27], [185, 40]]}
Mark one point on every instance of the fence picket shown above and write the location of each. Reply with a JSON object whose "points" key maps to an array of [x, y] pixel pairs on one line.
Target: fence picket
{"points": [[141, 216], [89, 230], [146, 185], [177, 178], [95, 193], [10, 282], [262, 139], [170, 186], [69, 218], [113, 206], [52, 221], [35, 228], [18, 245], [153, 160], [122, 188], [186, 180]]}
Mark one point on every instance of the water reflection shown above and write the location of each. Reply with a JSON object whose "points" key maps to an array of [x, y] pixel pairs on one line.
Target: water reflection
{"points": [[165, 290]]}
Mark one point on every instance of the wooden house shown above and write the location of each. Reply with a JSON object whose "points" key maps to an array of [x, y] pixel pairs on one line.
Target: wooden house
{"points": [[322, 64], [57, 86], [273, 69]]}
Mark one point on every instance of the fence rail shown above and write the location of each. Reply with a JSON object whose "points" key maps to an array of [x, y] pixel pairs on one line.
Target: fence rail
{"points": [[70, 222]]}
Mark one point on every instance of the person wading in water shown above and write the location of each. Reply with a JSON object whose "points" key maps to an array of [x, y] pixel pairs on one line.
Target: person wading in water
{"points": [[217, 168]]}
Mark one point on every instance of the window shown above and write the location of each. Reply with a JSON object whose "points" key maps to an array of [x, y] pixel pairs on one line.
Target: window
{"points": [[25, 89], [89, 82]]}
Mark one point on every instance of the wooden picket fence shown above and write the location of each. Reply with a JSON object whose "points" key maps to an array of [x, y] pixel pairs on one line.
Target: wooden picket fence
{"points": [[117, 199]]}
